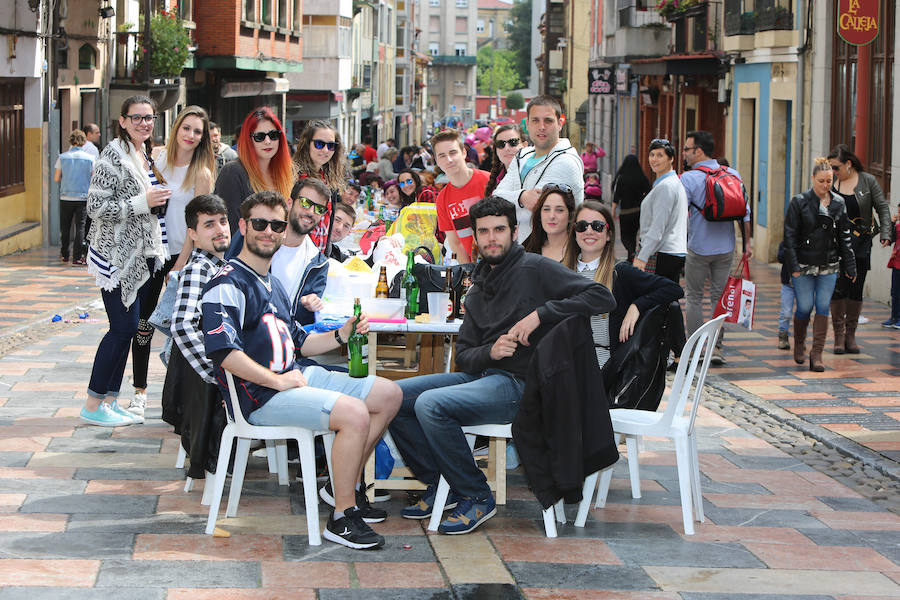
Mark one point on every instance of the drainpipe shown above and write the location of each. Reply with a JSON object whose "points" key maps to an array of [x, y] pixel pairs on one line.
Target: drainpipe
{"points": [[800, 155]]}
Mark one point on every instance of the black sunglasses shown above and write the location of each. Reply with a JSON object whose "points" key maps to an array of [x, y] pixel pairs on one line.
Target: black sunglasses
{"points": [[260, 224], [319, 144], [259, 136], [501, 144], [835, 167], [598, 226], [662, 141], [305, 202], [560, 187]]}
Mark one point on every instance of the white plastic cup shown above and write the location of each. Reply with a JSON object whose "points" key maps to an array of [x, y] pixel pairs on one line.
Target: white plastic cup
{"points": [[439, 308]]}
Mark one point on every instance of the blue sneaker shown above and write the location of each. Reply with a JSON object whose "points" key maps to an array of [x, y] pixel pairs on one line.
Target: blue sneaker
{"points": [[114, 405], [889, 324], [423, 508], [104, 416], [469, 514]]}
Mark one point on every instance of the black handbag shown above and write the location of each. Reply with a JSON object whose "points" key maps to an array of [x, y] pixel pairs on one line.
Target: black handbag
{"points": [[433, 278], [635, 374]]}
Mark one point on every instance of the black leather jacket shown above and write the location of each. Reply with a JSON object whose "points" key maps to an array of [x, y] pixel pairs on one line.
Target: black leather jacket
{"points": [[811, 238]]}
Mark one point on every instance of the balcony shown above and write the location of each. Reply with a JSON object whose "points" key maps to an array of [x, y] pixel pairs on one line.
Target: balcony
{"points": [[129, 77], [738, 21], [774, 15], [450, 59]]}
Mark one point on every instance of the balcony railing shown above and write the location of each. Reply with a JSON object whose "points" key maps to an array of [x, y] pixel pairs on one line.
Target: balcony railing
{"points": [[738, 21], [774, 14]]}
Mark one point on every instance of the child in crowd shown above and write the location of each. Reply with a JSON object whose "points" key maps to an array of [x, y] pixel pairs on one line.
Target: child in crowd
{"points": [[592, 188], [787, 303], [894, 265]]}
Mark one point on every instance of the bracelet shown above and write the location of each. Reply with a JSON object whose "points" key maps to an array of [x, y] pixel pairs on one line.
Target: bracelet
{"points": [[337, 336]]}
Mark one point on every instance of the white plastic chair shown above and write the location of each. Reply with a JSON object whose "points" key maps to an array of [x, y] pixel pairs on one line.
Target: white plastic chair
{"points": [[443, 489], [676, 423], [244, 432]]}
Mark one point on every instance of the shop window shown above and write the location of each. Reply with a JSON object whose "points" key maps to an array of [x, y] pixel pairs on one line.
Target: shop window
{"points": [[12, 137]]}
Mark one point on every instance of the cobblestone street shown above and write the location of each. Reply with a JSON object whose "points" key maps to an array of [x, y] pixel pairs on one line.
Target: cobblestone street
{"points": [[798, 469]]}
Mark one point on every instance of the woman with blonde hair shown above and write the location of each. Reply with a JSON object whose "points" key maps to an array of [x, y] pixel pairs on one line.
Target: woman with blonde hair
{"points": [[320, 154], [591, 252], [264, 163]]}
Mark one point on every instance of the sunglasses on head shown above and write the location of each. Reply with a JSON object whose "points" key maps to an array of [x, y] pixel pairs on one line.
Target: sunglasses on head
{"points": [[662, 141], [598, 226], [501, 144], [319, 144], [305, 202], [277, 226], [559, 187], [259, 136]]}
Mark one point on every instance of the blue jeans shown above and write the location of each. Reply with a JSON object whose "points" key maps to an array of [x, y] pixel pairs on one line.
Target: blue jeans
{"points": [[813, 290], [895, 295], [112, 353], [427, 429], [787, 308]]}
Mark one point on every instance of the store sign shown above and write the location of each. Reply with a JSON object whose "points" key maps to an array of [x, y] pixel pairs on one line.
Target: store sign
{"points": [[622, 78], [600, 80], [858, 21]]}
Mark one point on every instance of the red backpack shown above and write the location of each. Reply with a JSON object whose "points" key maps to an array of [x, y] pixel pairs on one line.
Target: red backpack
{"points": [[726, 198]]}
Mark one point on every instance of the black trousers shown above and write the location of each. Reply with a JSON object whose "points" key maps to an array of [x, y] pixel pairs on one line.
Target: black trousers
{"points": [[140, 343], [72, 211], [629, 226], [670, 267]]}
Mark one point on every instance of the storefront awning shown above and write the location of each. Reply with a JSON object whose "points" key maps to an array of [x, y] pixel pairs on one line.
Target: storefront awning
{"points": [[678, 64]]}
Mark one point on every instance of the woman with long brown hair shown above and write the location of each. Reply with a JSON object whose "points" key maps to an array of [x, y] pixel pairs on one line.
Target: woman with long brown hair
{"points": [[320, 154], [551, 222], [264, 163], [507, 140]]}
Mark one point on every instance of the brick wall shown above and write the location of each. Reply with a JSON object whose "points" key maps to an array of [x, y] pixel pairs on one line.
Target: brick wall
{"points": [[220, 33]]}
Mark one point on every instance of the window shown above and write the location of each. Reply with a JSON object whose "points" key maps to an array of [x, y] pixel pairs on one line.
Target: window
{"points": [[185, 9], [434, 2], [87, 57], [298, 16], [250, 10], [433, 48], [462, 3], [265, 7], [460, 49], [462, 25], [12, 136], [282, 13], [459, 83], [479, 25], [434, 24]]}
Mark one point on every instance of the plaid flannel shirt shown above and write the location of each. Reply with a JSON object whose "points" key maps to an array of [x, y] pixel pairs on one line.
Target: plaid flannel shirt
{"points": [[186, 320]]}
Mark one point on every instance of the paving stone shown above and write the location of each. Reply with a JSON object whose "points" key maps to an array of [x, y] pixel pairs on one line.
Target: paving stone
{"points": [[742, 596], [111, 523], [684, 554], [648, 533], [65, 545], [55, 593], [555, 575], [94, 433], [296, 547], [14, 459], [136, 473], [41, 486], [765, 518], [385, 594], [886, 543], [854, 504], [129, 445], [166, 574], [96, 504], [772, 463], [486, 591], [833, 537]]}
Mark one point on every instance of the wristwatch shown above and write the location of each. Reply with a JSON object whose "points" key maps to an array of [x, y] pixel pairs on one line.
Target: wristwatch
{"points": [[337, 336]]}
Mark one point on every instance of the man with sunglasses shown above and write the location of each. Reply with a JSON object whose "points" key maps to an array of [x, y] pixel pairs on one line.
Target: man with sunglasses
{"points": [[249, 331], [552, 159]]}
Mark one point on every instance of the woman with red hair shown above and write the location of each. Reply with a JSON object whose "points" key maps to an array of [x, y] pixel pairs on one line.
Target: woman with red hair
{"points": [[264, 163]]}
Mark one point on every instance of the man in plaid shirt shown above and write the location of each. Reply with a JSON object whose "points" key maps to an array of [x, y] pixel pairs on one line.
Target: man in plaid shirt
{"points": [[191, 401]]}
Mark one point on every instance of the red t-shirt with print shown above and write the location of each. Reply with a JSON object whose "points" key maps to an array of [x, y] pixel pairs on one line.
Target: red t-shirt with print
{"points": [[453, 206]]}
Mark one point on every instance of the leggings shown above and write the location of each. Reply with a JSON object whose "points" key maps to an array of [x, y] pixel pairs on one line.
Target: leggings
{"points": [[140, 344], [851, 290]]}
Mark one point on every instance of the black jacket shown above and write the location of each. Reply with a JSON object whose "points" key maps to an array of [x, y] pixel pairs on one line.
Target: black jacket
{"points": [[644, 290], [562, 431], [503, 295], [233, 186], [814, 239]]}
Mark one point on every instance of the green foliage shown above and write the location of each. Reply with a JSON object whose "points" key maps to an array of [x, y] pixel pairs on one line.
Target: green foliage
{"points": [[169, 45], [515, 101], [496, 70], [519, 35]]}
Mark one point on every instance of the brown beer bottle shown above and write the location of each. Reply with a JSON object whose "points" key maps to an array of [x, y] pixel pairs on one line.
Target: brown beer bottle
{"points": [[461, 300], [382, 290], [448, 287], [474, 253]]}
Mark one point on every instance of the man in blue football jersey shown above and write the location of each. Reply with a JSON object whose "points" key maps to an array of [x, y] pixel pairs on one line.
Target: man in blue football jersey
{"points": [[248, 331]]}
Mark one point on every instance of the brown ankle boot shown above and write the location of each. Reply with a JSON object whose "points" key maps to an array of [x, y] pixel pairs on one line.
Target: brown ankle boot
{"points": [[799, 339], [854, 307], [820, 332], [838, 321]]}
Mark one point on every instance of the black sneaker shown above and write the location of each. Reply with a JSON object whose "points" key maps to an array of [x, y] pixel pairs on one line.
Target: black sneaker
{"points": [[368, 513], [351, 531]]}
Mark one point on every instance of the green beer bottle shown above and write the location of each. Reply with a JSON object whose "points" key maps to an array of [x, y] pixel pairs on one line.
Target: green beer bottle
{"points": [[410, 289], [358, 347]]}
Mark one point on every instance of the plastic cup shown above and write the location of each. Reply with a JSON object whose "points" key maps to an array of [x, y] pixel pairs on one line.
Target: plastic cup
{"points": [[438, 307]]}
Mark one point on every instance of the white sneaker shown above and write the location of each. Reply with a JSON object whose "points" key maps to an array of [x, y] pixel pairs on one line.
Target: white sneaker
{"points": [[114, 406], [862, 320], [137, 405]]}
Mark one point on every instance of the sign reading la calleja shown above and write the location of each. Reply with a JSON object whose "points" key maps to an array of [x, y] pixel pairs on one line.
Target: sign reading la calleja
{"points": [[858, 21]]}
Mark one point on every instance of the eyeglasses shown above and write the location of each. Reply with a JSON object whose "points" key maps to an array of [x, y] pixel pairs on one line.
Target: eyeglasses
{"points": [[261, 224], [662, 141], [598, 226], [501, 144], [559, 187], [835, 167], [136, 119], [406, 183], [689, 148], [259, 136], [305, 202], [319, 144]]}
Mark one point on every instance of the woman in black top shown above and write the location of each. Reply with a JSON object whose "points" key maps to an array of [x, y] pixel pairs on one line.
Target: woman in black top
{"points": [[862, 196], [630, 185]]}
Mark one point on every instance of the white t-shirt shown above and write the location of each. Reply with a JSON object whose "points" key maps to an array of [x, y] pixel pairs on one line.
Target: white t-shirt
{"points": [[91, 149], [176, 227], [289, 264]]}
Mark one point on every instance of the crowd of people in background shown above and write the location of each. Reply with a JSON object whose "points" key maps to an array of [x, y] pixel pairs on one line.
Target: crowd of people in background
{"points": [[247, 232]]}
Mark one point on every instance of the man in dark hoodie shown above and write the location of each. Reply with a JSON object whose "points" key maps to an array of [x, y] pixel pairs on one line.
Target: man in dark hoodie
{"points": [[516, 298]]}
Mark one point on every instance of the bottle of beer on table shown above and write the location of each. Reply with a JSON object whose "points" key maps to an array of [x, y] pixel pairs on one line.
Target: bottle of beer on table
{"points": [[448, 288], [382, 290], [358, 346], [410, 289], [466, 284], [474, 253]]}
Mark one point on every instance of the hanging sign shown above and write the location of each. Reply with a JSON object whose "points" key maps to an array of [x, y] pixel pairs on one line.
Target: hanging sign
{"points": [[858, 21], [600, 80]]}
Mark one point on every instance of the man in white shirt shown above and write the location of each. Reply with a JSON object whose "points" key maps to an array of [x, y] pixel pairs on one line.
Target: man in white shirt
{"points": [[92, 133], [551, 160]]}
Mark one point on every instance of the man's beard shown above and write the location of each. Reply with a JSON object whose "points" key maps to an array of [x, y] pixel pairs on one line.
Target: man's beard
{"points": [[496, 260], [296, 226], [257, 251]]}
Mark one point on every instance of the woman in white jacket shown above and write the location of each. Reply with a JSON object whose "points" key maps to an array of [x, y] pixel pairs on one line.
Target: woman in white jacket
{"points": [[664, 216]]}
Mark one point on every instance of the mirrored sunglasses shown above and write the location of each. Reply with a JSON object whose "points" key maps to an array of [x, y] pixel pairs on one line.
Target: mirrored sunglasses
{"points": [[305, 202], [319, 144]]}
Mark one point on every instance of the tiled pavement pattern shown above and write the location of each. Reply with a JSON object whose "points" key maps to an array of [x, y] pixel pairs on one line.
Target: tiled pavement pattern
{"points": [[92, 513]]}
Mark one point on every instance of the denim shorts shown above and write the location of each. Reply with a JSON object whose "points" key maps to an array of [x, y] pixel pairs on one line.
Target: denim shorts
{"points": [[310, 406]]}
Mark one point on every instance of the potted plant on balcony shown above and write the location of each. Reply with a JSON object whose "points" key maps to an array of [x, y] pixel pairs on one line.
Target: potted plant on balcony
{"points": [[672, 10], [168, 44]]}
